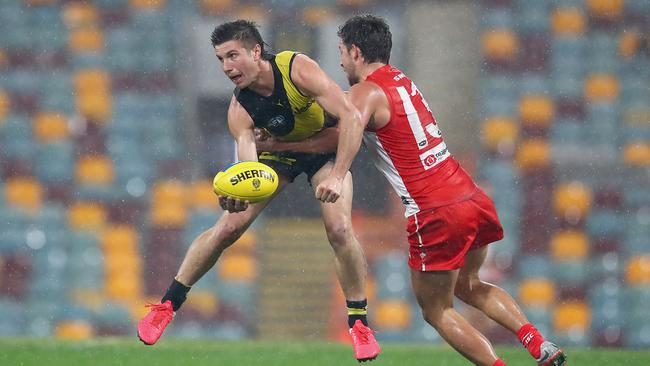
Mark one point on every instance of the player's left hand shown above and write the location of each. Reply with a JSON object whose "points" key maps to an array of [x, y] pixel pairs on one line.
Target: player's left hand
{"points": [[329, 190], [232, 205]]}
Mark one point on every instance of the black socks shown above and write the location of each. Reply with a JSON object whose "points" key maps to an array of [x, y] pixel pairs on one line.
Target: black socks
{"points": [[176, 293], [357, 310]]}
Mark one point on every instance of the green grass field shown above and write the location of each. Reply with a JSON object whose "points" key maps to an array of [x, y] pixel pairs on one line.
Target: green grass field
{"points": [[127, 352]]}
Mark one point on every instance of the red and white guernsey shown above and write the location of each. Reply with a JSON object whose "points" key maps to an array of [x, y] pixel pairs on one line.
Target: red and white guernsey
{"points": [[410, 150]]}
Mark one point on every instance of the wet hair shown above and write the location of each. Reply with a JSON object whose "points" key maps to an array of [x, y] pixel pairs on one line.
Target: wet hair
{"points": [[371, 34], [241, 30]]}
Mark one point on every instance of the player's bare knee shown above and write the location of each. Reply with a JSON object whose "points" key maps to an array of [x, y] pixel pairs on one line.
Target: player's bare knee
{"points": [[466, 287], [339, 233], [432, 316], [226, 234]]}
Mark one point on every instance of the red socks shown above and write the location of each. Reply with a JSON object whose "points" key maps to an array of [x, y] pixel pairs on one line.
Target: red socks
{"points": [[531, 339], [499, 362]]}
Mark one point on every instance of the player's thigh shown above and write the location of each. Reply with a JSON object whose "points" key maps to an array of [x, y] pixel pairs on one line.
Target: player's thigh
{"points": [[434, 290], [339, 213], [468, 275]]}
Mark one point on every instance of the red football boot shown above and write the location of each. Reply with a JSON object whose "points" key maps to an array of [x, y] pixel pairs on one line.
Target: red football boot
{"points": [[152, 326], [364, 343]]}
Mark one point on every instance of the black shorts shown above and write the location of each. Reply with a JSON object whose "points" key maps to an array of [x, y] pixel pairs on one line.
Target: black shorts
{"points": [[290, 165]]}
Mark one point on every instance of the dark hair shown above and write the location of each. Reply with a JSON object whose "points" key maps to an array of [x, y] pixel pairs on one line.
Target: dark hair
{"points": [[244, 31], [371, 34]]}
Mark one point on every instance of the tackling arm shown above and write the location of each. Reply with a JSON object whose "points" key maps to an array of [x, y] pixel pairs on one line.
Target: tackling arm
{"points": [[311, 79]]}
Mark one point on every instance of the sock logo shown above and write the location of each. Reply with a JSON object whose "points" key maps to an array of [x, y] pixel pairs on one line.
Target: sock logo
{"points": [[527, 338]]}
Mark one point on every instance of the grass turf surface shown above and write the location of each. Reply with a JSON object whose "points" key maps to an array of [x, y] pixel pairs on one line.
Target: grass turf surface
{"points": [[127, 352]]}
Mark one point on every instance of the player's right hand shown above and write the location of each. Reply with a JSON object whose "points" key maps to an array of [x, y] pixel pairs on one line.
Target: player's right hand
{"points": [[232, 205]]}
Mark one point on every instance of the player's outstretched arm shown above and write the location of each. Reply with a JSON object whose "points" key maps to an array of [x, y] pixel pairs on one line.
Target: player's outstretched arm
{"points": [[241, 127]]}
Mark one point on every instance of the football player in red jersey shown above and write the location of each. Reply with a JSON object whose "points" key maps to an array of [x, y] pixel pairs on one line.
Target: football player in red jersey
{"points": [[450, 219]]}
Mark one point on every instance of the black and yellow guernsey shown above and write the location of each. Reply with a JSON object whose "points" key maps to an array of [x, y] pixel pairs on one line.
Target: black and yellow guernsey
{"points": [[288, 115]]}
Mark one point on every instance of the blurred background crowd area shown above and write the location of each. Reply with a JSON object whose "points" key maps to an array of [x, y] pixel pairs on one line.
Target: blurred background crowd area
{"points": [[112, 124]]}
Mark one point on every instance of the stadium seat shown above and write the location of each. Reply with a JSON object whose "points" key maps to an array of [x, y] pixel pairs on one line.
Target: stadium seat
{"points": [[637, 271], [215, 7], [572, 199], [568, 22], [536, 110], [87, 216], [169, 215], [316, 15], [497, 18], [392, 315], [629, 44], [117, 263], [119, 238], [94, 170], [537, 292], [54, 163], [75, 330], [533, 154], [637, 154], [202, 195], [125, 286], [3, 58], [140, 5], [606, 224], [237, 267], [205, 302], [79, 14], [606, 9], [569, 245], [500, 45], [97, 106], [91, 81], [171, 192], [25, 193], [4, 106], [50, 127], [601, 88], [572, 315], [85, 40], [500, 134]]}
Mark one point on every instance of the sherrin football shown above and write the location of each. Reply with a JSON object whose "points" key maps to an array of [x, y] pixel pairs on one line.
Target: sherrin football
{"points": [[247, 180]]}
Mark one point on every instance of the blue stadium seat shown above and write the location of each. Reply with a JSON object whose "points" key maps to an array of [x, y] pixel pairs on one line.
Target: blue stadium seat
{"points": [[240, 294], [605, 266], [497, 18], [602, 52], [533, 16], [499, 85], [567, 56], [392, 276], [606, 302], [534, 84], [16, 140], [570, 273], [567, 84], [605, 224], [54, 163], [532, 266]]}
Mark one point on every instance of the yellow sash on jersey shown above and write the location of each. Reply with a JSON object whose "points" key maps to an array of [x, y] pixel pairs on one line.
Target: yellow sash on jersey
{"points": [[308, 114]]}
